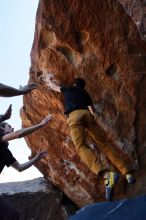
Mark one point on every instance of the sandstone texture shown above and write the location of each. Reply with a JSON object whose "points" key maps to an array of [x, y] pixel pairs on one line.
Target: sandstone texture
{"points": [[99, 41], [137, 10], [35, 200]]}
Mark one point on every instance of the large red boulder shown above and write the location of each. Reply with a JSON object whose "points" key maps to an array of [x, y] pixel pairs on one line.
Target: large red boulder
{"points": [[99, 41]]}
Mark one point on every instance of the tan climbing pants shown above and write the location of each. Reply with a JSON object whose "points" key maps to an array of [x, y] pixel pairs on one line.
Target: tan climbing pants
{"points": [[81, 120]]}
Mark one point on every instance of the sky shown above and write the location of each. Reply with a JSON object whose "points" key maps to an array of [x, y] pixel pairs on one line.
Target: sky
{"points": [[17, 24]]}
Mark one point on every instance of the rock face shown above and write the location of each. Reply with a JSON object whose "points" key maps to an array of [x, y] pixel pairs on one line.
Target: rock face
{"points": [[34, 199], [99, 41], [137, 10]]}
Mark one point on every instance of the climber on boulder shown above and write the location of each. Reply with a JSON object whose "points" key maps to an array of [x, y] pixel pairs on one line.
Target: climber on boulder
{"points": [[82, 116]]}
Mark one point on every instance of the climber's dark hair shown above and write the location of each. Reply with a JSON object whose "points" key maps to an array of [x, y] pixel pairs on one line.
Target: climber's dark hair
{"points": [[79, 82]]}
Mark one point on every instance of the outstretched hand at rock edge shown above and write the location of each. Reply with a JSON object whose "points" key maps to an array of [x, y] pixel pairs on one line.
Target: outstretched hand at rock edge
{"points": [[42, 154], [8, 113], [46, 119], [28, 88]]}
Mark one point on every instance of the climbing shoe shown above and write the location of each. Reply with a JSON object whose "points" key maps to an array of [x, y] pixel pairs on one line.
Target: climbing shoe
{"points": [[130, 179], [109, 183]]}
